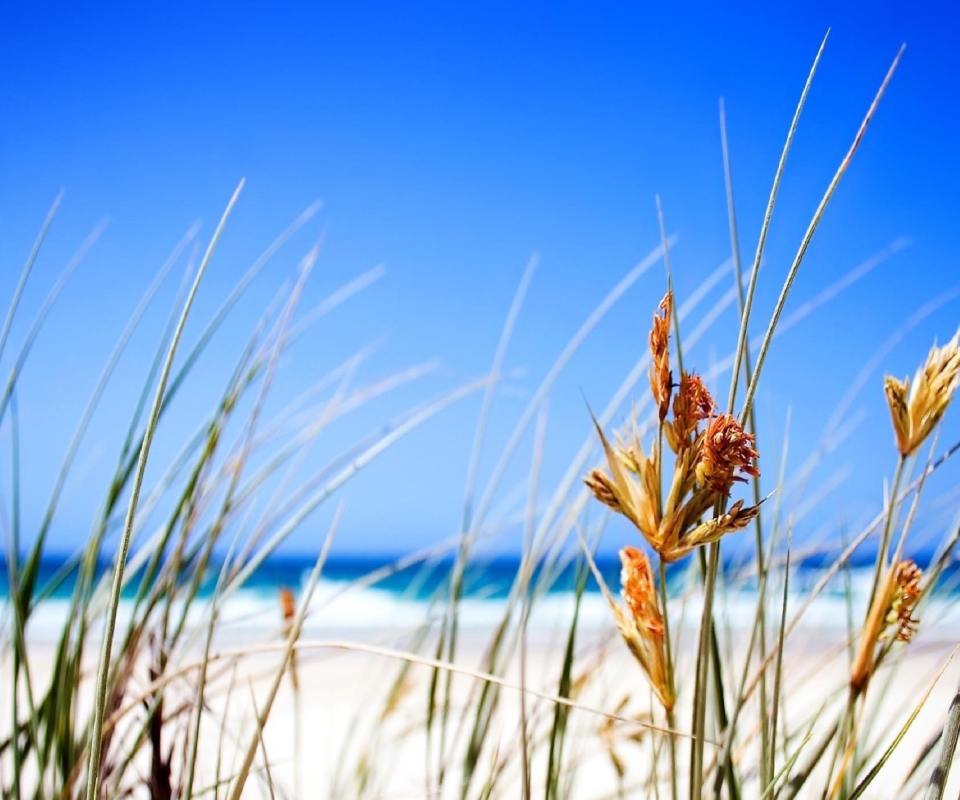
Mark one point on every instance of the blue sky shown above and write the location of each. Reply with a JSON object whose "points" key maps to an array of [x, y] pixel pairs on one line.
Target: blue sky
{"points": [[449, 143]]}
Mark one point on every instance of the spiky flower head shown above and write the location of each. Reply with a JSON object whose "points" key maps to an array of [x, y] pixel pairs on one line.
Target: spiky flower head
{"points": [[661, 380], [641, 622], [670, 513], [899, 621], [890, 617], [638, 591], [691, 405], [916, 409], [727, 449]]}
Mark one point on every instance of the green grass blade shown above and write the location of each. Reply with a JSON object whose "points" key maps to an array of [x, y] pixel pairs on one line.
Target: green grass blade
{"points": [[103, 669], [808, 237]]}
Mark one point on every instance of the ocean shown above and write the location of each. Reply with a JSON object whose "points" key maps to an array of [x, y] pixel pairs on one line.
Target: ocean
{"points": [[354, 594]]}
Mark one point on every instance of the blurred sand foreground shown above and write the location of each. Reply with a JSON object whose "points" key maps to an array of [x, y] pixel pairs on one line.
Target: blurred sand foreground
{"points": [[348, 748]]}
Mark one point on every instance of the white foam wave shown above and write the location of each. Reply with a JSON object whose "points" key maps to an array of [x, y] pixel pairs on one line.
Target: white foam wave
{"points": [[339, 607]]}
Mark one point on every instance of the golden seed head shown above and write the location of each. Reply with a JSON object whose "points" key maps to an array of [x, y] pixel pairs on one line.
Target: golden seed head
{"points": [[726, 450], [897, 392], [603, 489], [631, 488], [915, 410], [661, 380], [736, 519]]}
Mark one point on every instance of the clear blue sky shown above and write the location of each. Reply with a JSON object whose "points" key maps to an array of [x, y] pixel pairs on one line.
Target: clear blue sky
{"points": [[449, 142]]}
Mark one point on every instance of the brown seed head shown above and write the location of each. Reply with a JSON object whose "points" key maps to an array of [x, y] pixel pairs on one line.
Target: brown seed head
{"points": [[661, 381], [726, 449], [287, 606], [691, 405], [890, 617], [915, 410], [641, 623], [638, 590], [905, 599]]}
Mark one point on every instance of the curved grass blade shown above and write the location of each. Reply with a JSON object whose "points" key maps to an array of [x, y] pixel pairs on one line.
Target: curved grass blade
{"points": [[93, 769]]}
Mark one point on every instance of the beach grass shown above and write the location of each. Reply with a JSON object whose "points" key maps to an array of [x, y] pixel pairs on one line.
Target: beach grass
{"points": [[143, 695]]}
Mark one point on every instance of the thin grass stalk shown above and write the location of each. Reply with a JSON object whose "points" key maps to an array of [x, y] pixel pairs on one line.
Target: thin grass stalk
{"points": [[311, 503], [235, 294], [671, 682], [699, 712], [262, 744], [27, 269], [94, 401], [702, 676], [761, 625], [69, 656], [767, 216], [126, 461], [727, 755], [770, 791], [335, 299], [19, 645], [561, 713], [527, 565], [844, 557], [496, 367], [96, 728], [884, 547], [448, 629], [82, 605], [699, 717], [289, 648], [907, 786], [699, 705], [665, 246], [895, 743], [90, 611], [392, 653], [194, 733], [811, 229], [948, 746], [556, 368], [714, 643], [848, 729], [527, 416], [797, 782], [41, 316], [778, 669], [226, 705], [236, 472]]}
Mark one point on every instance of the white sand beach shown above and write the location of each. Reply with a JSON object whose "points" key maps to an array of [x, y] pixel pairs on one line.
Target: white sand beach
{"points": [[350, 747]]}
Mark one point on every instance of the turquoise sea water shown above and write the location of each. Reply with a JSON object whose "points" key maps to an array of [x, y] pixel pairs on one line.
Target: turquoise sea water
{"points": [[367, 593]]}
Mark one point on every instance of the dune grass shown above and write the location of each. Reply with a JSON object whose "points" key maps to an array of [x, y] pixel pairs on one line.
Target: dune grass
{"points": [[136, 704]]}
